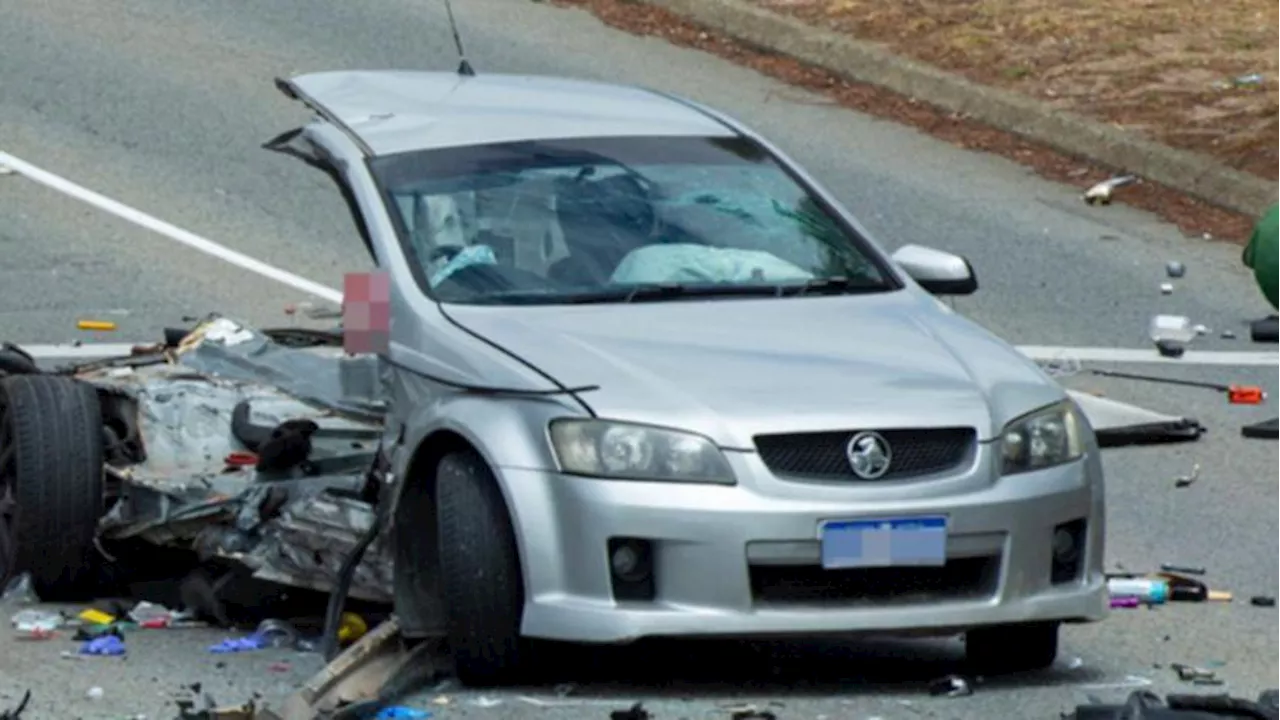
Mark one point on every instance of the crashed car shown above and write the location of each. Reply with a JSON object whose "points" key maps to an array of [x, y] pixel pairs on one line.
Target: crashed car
{"points": [[644, 377], [171, 447]]}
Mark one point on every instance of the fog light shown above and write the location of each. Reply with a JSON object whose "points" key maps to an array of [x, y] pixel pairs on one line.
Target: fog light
{"points": [[1068, 552], [1065, 548], [626, 562], [631, 571]]}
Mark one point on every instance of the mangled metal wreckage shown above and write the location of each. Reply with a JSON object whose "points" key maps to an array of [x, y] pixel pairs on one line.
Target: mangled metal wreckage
{"points": [[186, 428]]}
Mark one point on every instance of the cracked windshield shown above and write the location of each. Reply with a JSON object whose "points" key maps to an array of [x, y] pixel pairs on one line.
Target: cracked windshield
{"points": [[617, 219]]}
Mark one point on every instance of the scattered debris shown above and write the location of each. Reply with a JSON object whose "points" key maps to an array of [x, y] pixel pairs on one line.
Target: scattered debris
{"points": [[1265, 430], [1184, 569], [94, 693], [107, 645], [751, 714], [1227, 335], [1171, 348], [1265, 330], [16, 712], [1197, 675], [1166, 288], [635, 712], [1100, 194], [950, 686], [1175, 269], [1173, 328], [19, 590], [1125, 602], [1148, 591], [1236, 394], [1184, 481], [34, 624], [1145, 704], [1263, 601]]}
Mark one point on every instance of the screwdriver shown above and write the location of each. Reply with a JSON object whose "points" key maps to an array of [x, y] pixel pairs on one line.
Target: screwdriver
{"points": [[1236, 394]]}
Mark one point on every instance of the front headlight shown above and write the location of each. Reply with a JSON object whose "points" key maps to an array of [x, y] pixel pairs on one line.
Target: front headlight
{"points": [[1047, 437], [600, 448]]}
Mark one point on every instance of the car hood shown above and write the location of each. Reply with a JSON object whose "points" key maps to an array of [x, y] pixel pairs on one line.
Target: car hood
{"points": [[734, 368]]}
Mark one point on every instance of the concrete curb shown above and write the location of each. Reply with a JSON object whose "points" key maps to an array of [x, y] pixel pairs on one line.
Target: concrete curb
{"points": [[1104, 144]]}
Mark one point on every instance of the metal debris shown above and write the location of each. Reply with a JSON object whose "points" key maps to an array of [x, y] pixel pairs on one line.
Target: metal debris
{"points": [[1189, 479], [1175, 269]]}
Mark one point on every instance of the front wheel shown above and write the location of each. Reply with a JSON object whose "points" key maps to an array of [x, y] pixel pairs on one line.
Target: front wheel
{"points": [[480, 571], [1012, 648]]}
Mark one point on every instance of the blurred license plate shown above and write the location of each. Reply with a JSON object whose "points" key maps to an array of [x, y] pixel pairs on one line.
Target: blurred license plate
{"points": [[917, 541]]}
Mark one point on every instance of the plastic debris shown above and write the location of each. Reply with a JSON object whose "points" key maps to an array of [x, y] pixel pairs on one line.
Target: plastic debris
{"points": [[400, 711], [950, 686], [1150, 591], [248, 643], [94, 693], [109, 645], [35, 624], [20, 591], [1100, 194], [1171, 327], [1175, 269], [1166, 288], [96, 617], [1125, 602], [151, 615]]}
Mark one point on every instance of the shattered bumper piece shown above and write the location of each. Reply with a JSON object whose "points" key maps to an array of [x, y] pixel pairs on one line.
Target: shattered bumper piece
{"points": [[1118, 424]]}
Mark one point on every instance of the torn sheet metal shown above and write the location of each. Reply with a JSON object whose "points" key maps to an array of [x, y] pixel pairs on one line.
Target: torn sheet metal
{"points": [[1118, 424], [174, 434]]}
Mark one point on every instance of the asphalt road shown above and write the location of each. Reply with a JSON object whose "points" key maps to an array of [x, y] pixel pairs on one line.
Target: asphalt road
{"points": [[163, 104]]}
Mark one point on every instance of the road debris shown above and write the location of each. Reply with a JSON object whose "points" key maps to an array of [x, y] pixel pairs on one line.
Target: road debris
{"points": [[1185, 481], [1166, 288], [1100, 194], [1183, 569], [107, 646], [1146, 704], [1263, 601], [16, 713], [1236, 394], [951, 686], [1196, 675], [1175, 269], [1265, 430], [635, 712]]}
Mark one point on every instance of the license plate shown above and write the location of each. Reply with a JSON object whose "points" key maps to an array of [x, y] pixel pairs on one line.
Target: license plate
{"points": [[888, 542]]}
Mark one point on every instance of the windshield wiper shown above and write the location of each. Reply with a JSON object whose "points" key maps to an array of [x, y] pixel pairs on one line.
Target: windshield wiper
{"points": [[657, 292], [828, 286]]}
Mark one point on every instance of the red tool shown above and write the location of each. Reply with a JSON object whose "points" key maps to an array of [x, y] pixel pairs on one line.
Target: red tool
{"points": [[1236, 394]]}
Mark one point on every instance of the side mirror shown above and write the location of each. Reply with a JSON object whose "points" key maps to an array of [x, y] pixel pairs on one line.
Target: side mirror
{"points": [[938, 272]]}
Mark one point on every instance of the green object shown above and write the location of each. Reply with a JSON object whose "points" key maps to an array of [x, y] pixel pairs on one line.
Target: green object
{"points": [[1260, 255]]}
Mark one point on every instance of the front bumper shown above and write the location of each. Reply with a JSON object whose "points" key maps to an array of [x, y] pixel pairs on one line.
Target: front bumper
{"points": [[744, 560]]}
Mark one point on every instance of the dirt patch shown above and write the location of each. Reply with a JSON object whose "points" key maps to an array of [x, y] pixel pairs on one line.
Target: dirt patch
{"points": [[1194, 74], [1191, 215]]}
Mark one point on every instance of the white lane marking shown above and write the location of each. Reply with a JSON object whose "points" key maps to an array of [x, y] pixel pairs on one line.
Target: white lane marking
{"points": [[173, 232], [1134, 355], [222, 252]]}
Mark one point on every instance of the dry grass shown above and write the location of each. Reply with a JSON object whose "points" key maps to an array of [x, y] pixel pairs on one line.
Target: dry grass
{"points": [[1177, 70]]}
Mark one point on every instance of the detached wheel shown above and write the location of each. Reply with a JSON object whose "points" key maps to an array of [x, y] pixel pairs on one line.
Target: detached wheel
{"points": [[51, 487], [1013, 648], [480, 572]]}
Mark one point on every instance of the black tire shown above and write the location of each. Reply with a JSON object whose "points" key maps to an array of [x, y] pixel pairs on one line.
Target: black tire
{"points": [[479, 571], [51, 467], [1013, 648]]}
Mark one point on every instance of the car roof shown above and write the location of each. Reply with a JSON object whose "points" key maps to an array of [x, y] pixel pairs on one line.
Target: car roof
{"points": [[395, 111]]}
